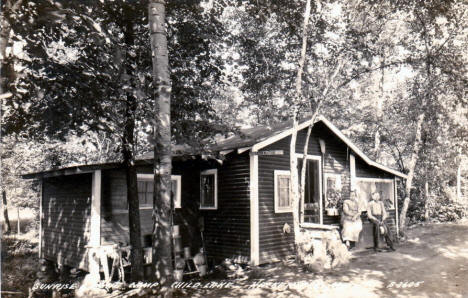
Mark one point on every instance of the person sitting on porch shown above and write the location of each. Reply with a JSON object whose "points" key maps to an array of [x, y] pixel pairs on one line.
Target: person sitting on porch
{"points": [[377, 214], [351, 220]]}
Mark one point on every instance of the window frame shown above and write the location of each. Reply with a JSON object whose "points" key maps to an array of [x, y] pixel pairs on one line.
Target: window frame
{"points": [[277, 174], [177, 198], [337, 176], [380, 180], [300, 156], [144, 177], [206, 173]]}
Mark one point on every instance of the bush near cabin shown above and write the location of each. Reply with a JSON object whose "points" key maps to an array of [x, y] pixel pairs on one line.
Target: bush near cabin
{"points": [[444, 207]]}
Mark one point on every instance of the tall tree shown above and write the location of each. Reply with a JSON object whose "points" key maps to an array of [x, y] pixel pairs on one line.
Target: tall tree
{"points": [[162, 201], [7, 10], [435, 27]]}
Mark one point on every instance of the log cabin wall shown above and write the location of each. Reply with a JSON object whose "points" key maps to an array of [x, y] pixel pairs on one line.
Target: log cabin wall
{"points": [[66, 205]]}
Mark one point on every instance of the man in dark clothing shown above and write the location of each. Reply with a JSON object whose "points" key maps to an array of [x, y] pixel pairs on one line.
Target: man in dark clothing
{"points": [[377, 214]]}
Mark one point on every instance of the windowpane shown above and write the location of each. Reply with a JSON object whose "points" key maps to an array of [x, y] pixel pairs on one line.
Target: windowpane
{"points": [[208, 190], [174, 188], [283, 191], [141, 197], [312, 191], [365, 188], [141, 185], [145, 192], [331, 183], [149, 186]]}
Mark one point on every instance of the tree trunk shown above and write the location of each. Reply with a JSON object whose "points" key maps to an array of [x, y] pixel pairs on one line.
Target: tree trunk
{"points": [[426, 203], [162, 211], [459, 192], [132, 190], [5, 212], [4, 38], [412, 166], [294, 187], [379, 111], [293, 191]]}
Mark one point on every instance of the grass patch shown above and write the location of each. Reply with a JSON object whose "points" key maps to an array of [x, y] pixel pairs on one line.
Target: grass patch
{"points": [[20, 262]]}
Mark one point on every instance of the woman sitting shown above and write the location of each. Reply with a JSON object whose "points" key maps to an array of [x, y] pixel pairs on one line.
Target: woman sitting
{"points": [[351, 220]]}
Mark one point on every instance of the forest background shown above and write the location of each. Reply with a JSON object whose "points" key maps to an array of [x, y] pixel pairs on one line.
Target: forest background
{"points": [[395, 74]]}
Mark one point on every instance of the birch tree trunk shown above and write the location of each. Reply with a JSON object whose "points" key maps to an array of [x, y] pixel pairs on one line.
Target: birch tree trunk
{"points": [[294, 189], [379, 111], [315, 113], [162, 236], [412, 166]]}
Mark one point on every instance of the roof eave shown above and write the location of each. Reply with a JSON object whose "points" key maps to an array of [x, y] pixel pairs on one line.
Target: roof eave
{"points": [[338, 133]]}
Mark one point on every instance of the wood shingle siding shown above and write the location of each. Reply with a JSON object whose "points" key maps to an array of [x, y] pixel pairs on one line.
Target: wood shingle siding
{"points": [[66, 205]]}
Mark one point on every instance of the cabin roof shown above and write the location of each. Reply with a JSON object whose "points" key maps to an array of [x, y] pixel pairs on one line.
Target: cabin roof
{"points": [[250, 139]]}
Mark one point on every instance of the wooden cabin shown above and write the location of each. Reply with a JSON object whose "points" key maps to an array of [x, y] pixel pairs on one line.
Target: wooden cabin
{"points": [[242, 201]]}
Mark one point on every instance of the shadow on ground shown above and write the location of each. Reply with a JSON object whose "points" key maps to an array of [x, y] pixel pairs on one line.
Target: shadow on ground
{"points": [[433, 262]]}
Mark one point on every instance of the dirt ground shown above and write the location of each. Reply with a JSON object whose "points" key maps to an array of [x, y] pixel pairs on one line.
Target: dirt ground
{"points": [[433, 262]]}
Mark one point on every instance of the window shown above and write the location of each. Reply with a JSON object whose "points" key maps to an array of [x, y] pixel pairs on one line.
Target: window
{"points": [[176, 190], [367, 186], [332, 189], [209, 189], [146, 188], [313, 188], [283, 203]]}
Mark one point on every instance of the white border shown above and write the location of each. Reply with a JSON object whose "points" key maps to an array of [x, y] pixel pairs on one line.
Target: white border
{"points": [[41, 185], [319, 158], [150, 177], [279, 209], [210, 172], [254, 212]]}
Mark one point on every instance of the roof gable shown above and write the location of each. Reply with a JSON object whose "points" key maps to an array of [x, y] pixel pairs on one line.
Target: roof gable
{"points": [[259, 138]]}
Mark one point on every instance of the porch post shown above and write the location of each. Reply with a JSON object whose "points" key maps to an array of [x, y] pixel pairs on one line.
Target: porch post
{"points": [[254, 211], [395, 195], [95, 227], [352, 170]]}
